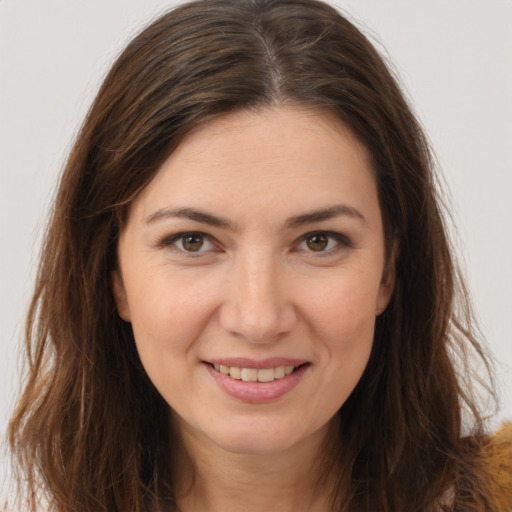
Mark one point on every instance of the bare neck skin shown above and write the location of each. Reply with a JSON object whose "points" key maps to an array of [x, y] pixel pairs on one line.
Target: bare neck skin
{"points": [[227, 482]]}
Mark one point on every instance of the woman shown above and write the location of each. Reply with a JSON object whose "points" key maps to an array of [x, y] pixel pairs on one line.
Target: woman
{"points": [[246, 298]]}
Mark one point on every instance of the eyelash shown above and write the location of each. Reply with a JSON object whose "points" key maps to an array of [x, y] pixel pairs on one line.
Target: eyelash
{"points": [[342, 242], [169, 242]]}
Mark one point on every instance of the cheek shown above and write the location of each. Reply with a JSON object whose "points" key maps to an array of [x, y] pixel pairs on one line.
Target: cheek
{"points": [[341, 322], [168, 314], [168, 318], [350, 297], [342, 315]]}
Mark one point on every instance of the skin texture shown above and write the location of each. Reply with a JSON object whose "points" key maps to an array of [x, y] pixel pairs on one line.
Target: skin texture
{"points": [[256, 289]]}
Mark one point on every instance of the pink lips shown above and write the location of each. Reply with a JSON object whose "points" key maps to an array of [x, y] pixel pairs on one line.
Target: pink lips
{"points": [[257, 392]]}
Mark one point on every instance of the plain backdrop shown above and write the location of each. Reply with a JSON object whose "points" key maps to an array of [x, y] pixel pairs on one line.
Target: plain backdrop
{"points": [[453, 58]]}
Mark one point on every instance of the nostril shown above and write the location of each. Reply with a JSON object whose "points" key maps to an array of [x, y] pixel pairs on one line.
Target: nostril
{"points": [[259, 324]]}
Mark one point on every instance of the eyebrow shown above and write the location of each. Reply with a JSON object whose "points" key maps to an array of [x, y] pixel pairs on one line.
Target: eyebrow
{"points": [[325, 214], [192, 214], [220, 222]]}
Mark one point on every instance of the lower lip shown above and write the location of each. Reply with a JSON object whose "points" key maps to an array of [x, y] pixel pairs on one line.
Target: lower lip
{"points": [[258, 392]]}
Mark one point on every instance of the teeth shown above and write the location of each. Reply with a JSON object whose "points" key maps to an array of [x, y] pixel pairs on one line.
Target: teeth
{"points": [[249, 375], [266, 374], [235, 373], [279, 372], [253, 374]]}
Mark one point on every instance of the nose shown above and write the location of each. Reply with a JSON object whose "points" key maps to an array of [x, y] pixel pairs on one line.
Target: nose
{"points": [[258, 306]]}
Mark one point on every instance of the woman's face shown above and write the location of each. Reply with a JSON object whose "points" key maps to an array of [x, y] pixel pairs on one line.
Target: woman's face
{"points": [[257, 250]]}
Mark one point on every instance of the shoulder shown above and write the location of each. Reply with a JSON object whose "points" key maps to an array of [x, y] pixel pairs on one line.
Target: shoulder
{"points": [[498, 459]]}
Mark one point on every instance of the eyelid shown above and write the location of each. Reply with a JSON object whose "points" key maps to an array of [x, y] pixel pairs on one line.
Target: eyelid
{"points": [[169, 241], [342, 241]]}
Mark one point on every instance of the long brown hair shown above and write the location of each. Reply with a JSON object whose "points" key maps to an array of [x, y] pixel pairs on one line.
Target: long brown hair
{"points": [[90, 432]]}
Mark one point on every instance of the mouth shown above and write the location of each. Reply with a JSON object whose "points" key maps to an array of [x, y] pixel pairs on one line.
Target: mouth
{"points": [[254, 382], [256, 374]]}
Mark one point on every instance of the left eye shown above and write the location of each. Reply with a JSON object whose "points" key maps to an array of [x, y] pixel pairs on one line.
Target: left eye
{"points": [[321, 242]]}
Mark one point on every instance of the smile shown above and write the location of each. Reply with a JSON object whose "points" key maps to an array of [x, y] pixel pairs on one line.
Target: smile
{"points": [[254, 374], [271, 380]]}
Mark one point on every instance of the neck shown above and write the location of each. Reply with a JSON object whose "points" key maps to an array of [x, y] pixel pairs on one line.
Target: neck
{"points": [[211, 479]]}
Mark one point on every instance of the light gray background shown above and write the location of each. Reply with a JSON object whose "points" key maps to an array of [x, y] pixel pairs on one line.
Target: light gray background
{"points": [[453, 57]]}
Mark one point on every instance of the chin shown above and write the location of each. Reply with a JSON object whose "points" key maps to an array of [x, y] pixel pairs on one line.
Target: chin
{"points": [[261, 438]]}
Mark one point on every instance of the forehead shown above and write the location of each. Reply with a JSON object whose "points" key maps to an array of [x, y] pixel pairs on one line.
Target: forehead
{"points": [[248, 137]]}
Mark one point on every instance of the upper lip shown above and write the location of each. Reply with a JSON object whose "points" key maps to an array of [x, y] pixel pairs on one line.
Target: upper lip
{"points": [[244, 362]]}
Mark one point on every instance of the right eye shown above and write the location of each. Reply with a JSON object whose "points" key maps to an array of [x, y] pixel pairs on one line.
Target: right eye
{"points": [[194, 242]]}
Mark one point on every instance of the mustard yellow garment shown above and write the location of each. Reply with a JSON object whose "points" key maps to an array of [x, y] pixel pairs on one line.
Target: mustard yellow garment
{"points": [[498, 454]]}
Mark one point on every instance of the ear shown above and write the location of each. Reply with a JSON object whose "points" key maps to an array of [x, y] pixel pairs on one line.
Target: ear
{"points": [[119, 292], [387, 284]]}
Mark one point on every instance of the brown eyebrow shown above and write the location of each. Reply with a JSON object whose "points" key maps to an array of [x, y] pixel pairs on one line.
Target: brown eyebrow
{"points": [[325, 214], [192, 214], [220, 222]]}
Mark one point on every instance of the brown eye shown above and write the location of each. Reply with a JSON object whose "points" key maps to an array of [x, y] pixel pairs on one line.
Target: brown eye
{"points": [[317, 242], [192, 243]]}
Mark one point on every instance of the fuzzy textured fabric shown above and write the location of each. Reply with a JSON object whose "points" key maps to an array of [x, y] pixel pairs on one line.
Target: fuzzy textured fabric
{"points": [[498, 454]]}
